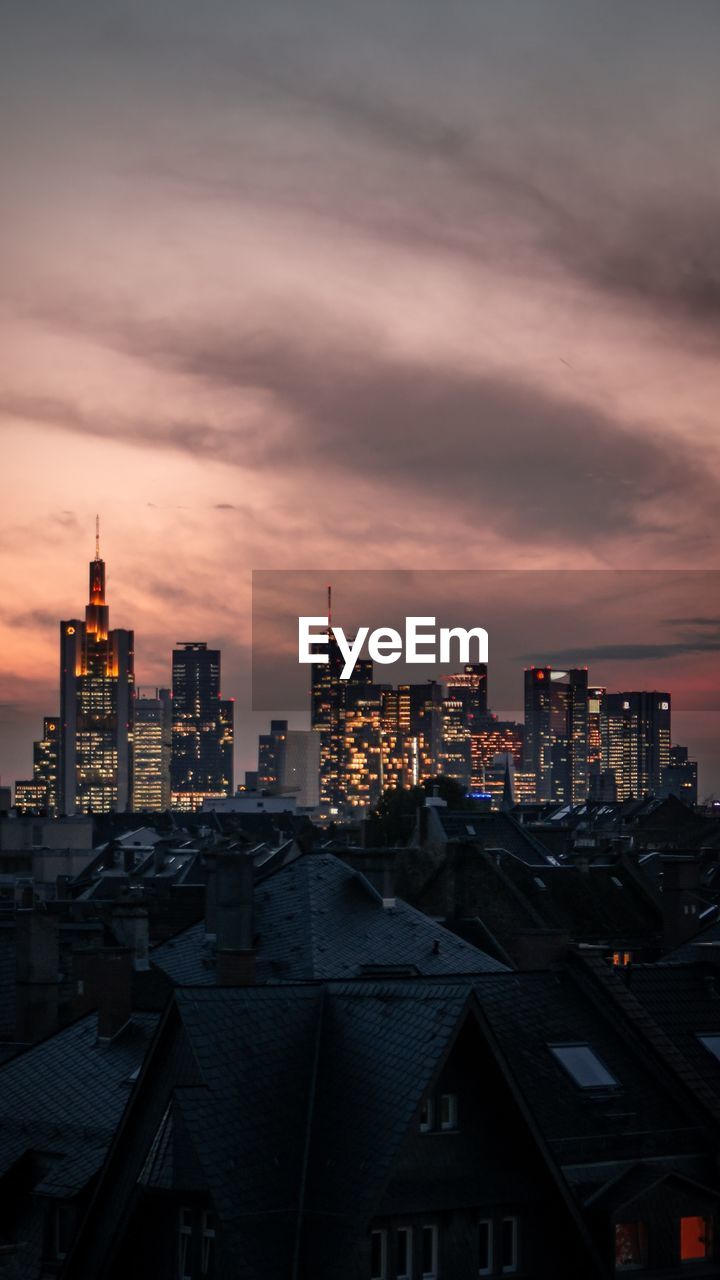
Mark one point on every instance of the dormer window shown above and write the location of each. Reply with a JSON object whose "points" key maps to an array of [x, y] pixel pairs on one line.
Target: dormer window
{"points": [[448, 1111], [439, 1113]]}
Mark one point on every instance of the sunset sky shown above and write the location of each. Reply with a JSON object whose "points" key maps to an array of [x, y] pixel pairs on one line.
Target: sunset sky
{"points": [[333, 285]]}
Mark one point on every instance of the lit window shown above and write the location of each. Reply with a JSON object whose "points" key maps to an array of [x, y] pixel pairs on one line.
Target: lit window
{"points": [[429, 1253], [485, 1248], [711, 1043], [448, 1111], [583, 1065], [630, 1245], [404, 1253], [696, 1239], [426, 1116], [185, 1231], [509, 1254], [378, 1255]]}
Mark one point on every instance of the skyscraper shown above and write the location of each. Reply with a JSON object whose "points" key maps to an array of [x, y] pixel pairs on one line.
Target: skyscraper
{"points": [[152, 750], [96, 707], [556, 733], [202, 727], [638, 741]]}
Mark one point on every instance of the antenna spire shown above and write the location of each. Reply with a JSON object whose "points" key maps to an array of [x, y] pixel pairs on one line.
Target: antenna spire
{"points": [[329, 608], [97, 537]]}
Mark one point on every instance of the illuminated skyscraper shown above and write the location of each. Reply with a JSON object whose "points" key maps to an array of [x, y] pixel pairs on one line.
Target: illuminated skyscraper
{"points": [[202, 728], [96, 707], [45, 762], [556, 733], [638, 741], [152, 750]]}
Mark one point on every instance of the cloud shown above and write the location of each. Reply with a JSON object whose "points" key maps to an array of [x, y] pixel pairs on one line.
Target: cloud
{"points": [[504, 453]]}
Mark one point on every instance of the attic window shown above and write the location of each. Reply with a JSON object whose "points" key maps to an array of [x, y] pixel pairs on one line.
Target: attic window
{"points": [[540, 883], [696, 1239], [470, 829], [711, 1043], [583, 1066], [630, 1245], [378, 1255], [618, 883]]}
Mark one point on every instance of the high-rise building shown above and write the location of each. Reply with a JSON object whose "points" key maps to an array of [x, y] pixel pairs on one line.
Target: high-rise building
{"points": [[152, 750], [271, 756], [556, 733], [300, 776], [95, 755], [491, 739], [638, 741], [202, 727], [680, 776], [40, 793]]}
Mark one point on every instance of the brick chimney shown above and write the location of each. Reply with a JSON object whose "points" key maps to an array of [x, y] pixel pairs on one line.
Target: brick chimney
{"points": [[681, 901], [235, 950], [210, 860], [113, 979], [130, 926], [37, 975]]}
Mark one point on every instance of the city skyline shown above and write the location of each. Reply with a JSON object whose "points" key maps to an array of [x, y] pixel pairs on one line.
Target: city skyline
{"points": [[97, 664]]}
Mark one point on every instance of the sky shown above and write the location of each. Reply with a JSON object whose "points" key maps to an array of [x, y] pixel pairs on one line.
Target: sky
{"points": [[396, 285]]}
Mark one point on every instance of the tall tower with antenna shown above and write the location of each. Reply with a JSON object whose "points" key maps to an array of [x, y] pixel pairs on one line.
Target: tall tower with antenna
{"points": [[96, 705]]}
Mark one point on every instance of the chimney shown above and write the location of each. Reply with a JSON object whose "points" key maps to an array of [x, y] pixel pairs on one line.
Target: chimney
{"points": [[37, 975], [130, 926], [235, 950], [378, 867], [210, 860], [113, 978], [681, 905]]}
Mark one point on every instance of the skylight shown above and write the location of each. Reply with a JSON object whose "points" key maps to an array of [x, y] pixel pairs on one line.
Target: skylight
{"points": [[583, 1066], [712, 1044]]}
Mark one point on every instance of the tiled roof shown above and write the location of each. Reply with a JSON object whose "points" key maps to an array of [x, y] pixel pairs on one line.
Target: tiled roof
{"points": [[492, 830], [319, 919], [66, 1095]]}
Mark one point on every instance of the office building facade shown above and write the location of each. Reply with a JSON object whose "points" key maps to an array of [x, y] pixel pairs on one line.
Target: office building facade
{"points": [[202, 728]]}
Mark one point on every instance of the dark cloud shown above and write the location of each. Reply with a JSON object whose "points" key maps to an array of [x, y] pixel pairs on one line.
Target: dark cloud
{"points": [[580, 656], [503, 454]]}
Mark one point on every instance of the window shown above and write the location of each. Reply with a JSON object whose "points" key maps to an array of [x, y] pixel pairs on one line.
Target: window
{"points": [[509, 1239], [404, 1253], [711, 1043], [378, 1255], [185, 1231], [630, 1245], [208, 1243], [583, 1065], [62, 1234], [448, 1111], [485, 1248], [426, 1116], [429, 1252], [696, 1238]]}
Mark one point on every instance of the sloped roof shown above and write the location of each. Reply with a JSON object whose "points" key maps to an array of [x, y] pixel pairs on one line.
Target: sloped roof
{"points": [[492, 829], [66, 1095], [319, 919]]}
